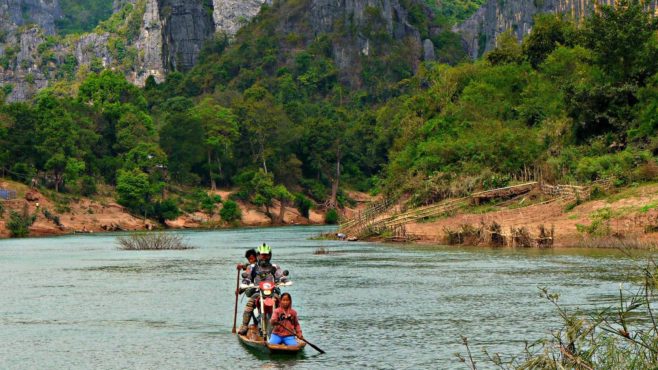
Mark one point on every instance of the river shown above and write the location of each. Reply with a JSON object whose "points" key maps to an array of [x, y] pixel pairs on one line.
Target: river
{"points": [[79, 302]]}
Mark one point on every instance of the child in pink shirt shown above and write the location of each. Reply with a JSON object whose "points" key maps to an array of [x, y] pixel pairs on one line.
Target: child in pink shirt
{"points": [[285, 323]]}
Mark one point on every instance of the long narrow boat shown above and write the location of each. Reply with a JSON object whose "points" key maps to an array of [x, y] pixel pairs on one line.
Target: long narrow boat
{"points": [[254, 340]]}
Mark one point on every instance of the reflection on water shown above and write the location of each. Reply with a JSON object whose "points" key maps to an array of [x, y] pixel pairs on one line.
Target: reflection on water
{"points": [[80, 302]]}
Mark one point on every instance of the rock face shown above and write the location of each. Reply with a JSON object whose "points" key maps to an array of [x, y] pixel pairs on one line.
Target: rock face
{"points": [[171, 36], [479, 32], [44, 13], [92, 47], [230, 15], [325, 16], [173, 32], [150, 61], [26, 78], [187, 25], [428, 50]]}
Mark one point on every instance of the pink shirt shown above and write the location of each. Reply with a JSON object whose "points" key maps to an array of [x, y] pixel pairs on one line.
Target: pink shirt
{"points": [[292, 324]]}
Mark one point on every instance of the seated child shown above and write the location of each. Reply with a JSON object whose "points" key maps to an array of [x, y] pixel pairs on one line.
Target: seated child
{"points": [[285, 323]]}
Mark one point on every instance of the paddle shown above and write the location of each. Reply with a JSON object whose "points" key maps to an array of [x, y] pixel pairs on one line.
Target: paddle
{"points": [[237, 293], [304, 339]]}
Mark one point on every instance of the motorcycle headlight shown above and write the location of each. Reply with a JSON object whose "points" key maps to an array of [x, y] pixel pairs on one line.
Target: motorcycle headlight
{"points": [[267, 292]]}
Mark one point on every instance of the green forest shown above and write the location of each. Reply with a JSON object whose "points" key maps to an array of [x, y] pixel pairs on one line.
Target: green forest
{"points": [[272, 114]]}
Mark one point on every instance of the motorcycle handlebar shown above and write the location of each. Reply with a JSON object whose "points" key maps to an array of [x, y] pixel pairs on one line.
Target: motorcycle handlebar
{"points": [[247, 286]]}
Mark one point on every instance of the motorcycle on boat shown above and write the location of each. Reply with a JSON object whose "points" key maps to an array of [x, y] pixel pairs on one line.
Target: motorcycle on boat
{"points": [[267, 300]]}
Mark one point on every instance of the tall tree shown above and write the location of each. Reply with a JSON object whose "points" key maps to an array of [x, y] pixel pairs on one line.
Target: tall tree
{"points": [[59, 136], [220, 127], [181, 138], [265, 123]]}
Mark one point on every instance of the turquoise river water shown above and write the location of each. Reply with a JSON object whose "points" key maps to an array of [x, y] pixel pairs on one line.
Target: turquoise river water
{"points": [[78, 302]]}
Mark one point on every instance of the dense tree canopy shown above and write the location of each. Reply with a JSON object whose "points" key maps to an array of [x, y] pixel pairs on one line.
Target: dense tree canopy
{"points": [[577, 101]]}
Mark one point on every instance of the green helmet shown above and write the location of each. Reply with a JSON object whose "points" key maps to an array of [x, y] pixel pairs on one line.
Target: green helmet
{"points": [[264, 249]]}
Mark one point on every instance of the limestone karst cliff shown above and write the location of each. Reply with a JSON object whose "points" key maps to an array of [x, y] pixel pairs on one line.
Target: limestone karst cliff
{"points": [[15, 13], [153, 37], [143, 38], [480, 31]]}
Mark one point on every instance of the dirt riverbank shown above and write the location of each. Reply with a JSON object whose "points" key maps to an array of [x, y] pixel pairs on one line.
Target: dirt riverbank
{"points": [[629, 217], [103, 214]]}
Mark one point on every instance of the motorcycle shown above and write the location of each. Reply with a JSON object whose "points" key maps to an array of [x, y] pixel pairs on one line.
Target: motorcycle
{"points": [[267, 300]]}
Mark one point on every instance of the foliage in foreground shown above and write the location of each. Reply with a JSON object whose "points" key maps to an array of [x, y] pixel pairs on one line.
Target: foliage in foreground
{"points": [[152, 241], [621, 337]]}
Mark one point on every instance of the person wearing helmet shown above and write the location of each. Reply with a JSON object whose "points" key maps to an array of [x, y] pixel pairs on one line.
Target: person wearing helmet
{"points": [[263, 271]]}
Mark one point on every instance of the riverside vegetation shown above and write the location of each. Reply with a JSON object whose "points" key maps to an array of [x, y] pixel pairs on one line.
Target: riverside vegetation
{"points": [[624, 336], [272, 115]]}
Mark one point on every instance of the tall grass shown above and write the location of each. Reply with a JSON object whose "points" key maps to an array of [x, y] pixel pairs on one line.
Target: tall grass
{"points": [[622, 336]]}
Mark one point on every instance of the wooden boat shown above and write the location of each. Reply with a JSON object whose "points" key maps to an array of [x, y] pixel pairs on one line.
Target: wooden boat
{"points": [[253, 340]]}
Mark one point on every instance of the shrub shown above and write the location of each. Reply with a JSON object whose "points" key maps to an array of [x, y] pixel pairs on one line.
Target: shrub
{"points": [[496, 181], [646, 172], [19, 223], [331, 217], [201, 200], [303, 204], [209, 202], [166, 210], [152, 241], [52, 217], [88, 186], [600, 225], [230, 212], [619, 165]]}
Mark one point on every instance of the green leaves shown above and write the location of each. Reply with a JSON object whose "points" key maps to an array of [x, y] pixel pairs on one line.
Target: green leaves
{"points": [[548, 32], [507, 50], [230, 212], [19, 223], [135, 190], [620, 35]]}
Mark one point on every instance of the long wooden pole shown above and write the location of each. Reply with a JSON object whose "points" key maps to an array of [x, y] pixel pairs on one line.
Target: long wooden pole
{"points": [[237, 293]]}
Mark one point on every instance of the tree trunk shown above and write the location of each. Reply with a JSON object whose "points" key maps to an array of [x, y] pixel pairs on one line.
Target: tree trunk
{"points": [[262, 154], [335, 182], [165, 175], [58, 179], [213, 186], [268, 213], [219, 166], [282, 211]]}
